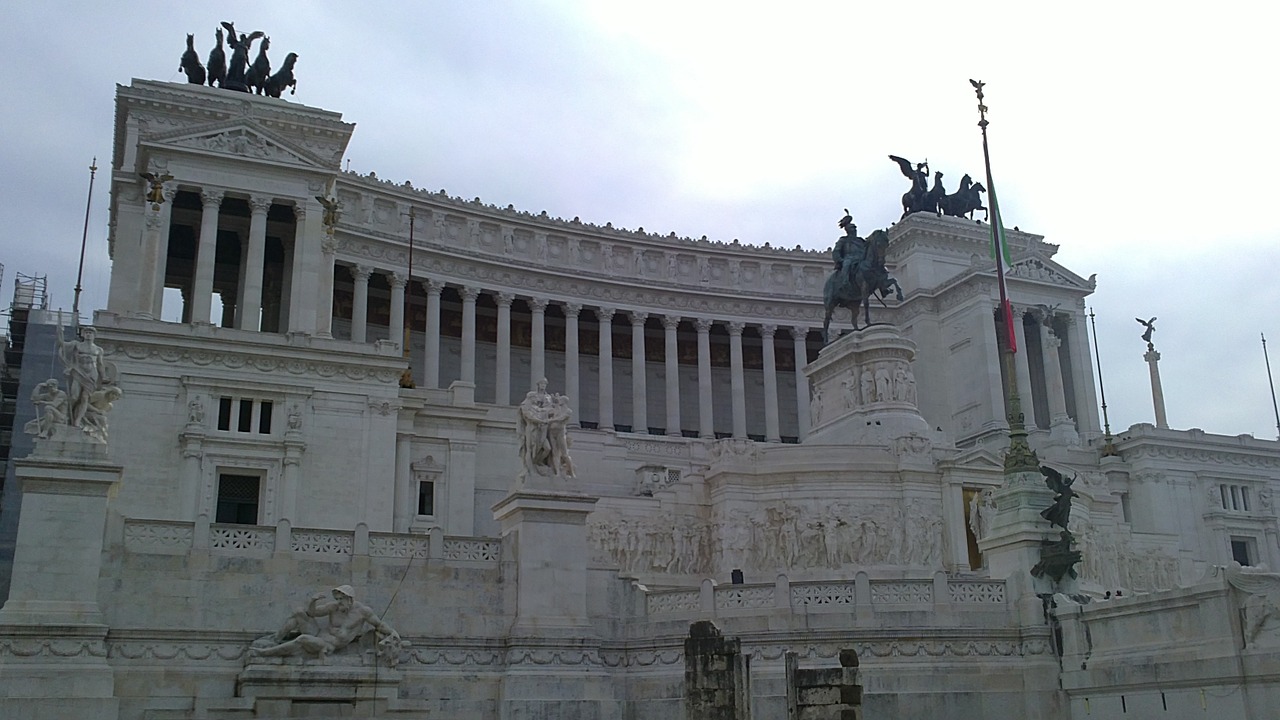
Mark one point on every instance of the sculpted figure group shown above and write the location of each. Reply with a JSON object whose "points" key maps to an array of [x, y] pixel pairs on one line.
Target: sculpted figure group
{"points": [[329, 623], [542, 427], [91, 390], [922, 198], [237, 73]]}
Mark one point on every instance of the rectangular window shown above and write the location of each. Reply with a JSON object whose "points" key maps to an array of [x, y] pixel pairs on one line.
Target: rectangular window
{"points": [[245, 421], [264, 417], [224, 413], [238, 499], [426, 498], [1241, 550], [1225, 504]]}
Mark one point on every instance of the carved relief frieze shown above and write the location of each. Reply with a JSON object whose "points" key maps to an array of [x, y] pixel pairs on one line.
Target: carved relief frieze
{"points": [[265, 363]]}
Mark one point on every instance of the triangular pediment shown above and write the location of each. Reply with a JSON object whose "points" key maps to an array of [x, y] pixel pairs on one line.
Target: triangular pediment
{"points": [[979, 459], [243, 139], [1037, 268]]}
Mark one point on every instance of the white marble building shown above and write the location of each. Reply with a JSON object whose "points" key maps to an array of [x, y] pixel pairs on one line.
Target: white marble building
{"points": [[264, 449]]}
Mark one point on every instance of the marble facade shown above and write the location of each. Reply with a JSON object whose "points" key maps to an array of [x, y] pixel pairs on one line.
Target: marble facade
{"points": [[264, 449]]}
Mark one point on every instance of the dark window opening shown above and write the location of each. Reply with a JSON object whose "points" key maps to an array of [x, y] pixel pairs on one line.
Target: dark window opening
{"points": [[245, 422], [224, 413], [1240, 551], [238, 499], [426, 497], [264, 417]]}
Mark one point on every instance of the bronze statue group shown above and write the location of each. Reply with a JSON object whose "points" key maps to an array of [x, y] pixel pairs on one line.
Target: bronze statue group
{"points": [[237, 73]]}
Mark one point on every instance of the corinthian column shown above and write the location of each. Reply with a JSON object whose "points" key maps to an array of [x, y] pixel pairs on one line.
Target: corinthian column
{"points": [[502, 383], [251, 307], [1022, 369], [1061, 427], [605, 317], [537, 340], [737, 384], [571, 387], [798, 335], [431, 351], [639, 392], [395, 333], [772, 434], [202, 297], [670, 324], [360, 302], [706, 424], [468, 370]]}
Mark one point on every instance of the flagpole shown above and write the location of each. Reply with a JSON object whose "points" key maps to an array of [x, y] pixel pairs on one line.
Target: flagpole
{"points": [[84, 240], [1271, 382], [1108, 448], [1020, 457]]}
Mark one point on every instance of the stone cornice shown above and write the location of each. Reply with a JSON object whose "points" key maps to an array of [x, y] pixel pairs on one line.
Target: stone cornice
{"points": [[1145, 441], [186, 347]]}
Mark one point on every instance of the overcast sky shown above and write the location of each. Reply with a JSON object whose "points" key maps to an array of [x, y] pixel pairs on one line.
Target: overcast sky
{"points": [[1143, 142]]}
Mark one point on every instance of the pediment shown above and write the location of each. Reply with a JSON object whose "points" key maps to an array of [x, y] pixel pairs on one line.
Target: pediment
{"points": [[1041, 269], [979, 459], [243, 139]]}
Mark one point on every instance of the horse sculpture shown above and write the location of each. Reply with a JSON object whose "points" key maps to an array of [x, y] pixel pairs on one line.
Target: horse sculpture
{"points": [[260, 70], [283, 79], [853, 289], [190, 63], [963, 201], [217, 64]]}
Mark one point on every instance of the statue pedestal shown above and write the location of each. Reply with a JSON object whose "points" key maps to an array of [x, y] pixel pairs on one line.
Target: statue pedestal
{"points": [[548, 529], [863, 391], [53, 595], [1013, 544]]}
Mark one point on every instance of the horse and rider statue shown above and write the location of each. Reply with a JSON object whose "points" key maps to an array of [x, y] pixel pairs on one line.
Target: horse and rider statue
{"points": [[859, 275], [238, 73], [922, 198]]}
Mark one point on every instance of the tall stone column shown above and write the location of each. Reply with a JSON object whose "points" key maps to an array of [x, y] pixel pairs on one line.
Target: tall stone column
{"points": [[324, 291], [989, 362], [571, 383], [396, 331], [537, 340], [605, 317], [706, 421], [639, 389], [737, 383], [468, 371], [1061, 426], [202, 292], [360, 302], [502, 363], [772, 433], [670, 324], [1023, 371], [431, 353], [1157, 392], [251, 306], [155, 248], [1082, 374], [307, 273], [801, 352]]}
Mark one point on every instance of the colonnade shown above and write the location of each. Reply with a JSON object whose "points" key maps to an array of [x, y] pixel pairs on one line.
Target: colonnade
{"points": [[603, 316]]}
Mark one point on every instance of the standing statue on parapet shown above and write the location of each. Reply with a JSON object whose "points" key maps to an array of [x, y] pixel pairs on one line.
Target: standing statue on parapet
{"points": [[917, 199], [859, 272], [89, 374], [542, 429]]}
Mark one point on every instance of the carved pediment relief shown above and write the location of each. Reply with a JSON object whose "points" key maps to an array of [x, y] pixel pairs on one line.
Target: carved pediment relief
{"points": [[243, 140], [1040, 269]]}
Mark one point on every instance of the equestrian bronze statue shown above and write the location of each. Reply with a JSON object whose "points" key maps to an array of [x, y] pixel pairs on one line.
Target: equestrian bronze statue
{"points": [[859, 273]]}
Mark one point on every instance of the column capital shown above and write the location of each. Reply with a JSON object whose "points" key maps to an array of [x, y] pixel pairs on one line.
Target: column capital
{"points": [[638, 317], [504, 299], [768, 331], [434, 287], [671, 322], [538, 305], [799, 332], [360, 273], [260, 204], [605, 313], [703, 325], [469, 294], [212, 197], [736, 328], [397, 280], [572, 309]]}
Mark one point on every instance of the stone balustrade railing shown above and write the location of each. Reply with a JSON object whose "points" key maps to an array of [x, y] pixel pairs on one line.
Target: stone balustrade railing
{"points": [[827, 596], [167, 537]]}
